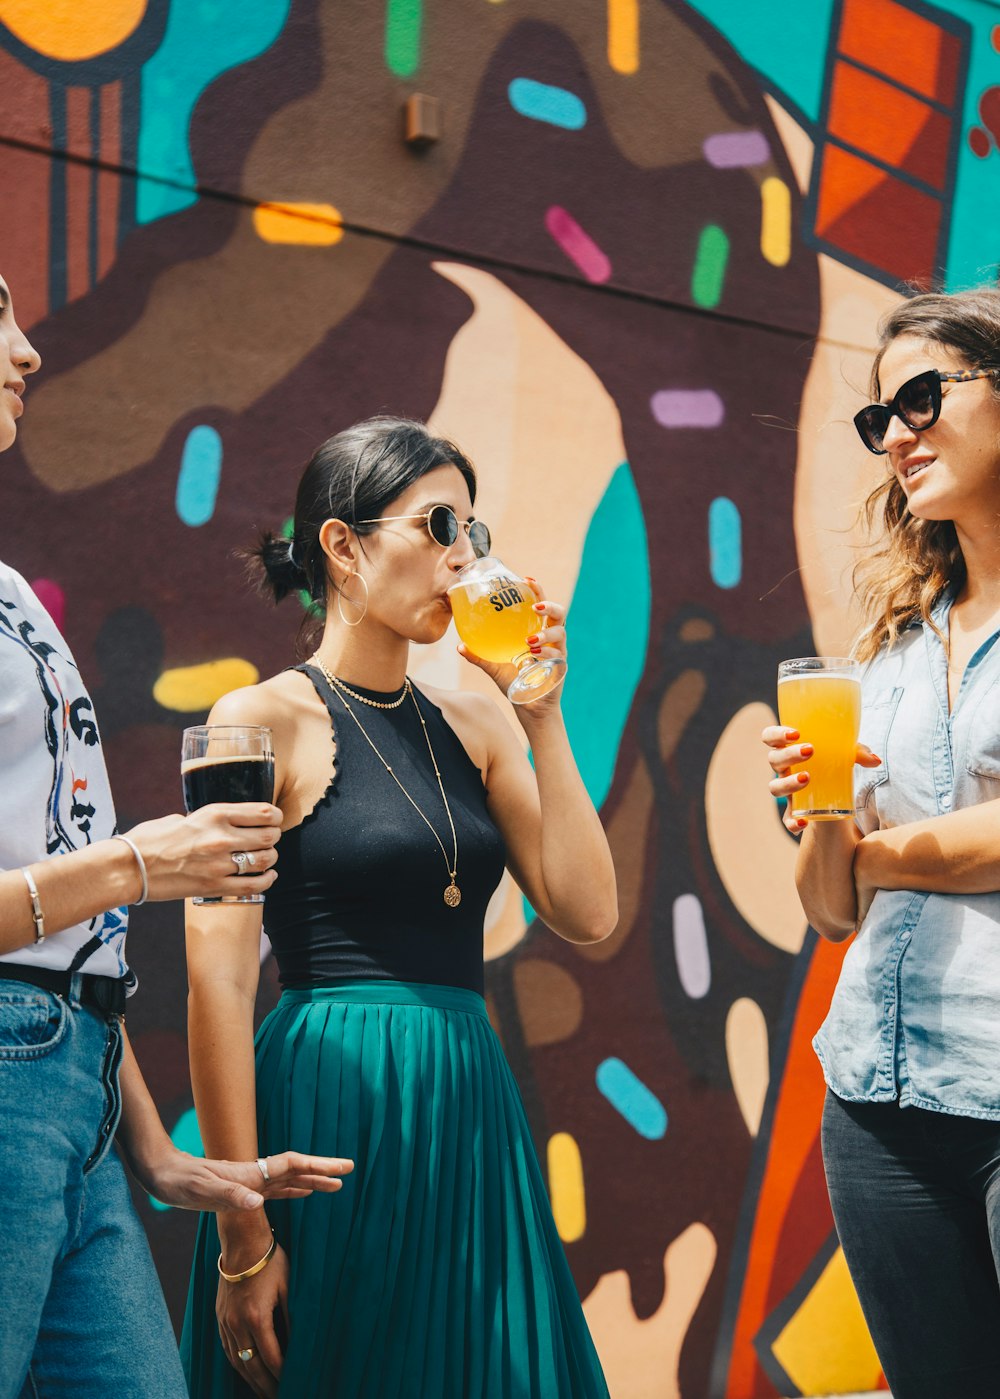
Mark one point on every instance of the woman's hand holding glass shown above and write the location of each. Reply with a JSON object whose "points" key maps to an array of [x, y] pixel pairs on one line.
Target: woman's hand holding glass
{"points": [[188, 855], [517, 677], [786, 749]]}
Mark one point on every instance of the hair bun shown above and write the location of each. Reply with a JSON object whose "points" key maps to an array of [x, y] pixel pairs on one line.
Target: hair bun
{"points": [[280, 573]]}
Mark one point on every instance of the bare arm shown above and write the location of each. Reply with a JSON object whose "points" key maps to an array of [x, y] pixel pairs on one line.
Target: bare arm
{"points": [[192, 1182], [957, 853], [223, 971], [824, 878], [557, 850], [71, 889], [223, 944], [223, 949], [556, 846], [182, 855]]}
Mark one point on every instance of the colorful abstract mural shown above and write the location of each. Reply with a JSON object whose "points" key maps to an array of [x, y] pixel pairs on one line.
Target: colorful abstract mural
{"points": [[637, 276]]}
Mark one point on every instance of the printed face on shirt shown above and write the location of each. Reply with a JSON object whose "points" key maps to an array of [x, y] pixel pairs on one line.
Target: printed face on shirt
{"points": [[18, 359], [951, 470]]}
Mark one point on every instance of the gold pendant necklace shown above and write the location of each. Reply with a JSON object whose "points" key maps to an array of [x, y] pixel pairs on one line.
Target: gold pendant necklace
{"points": [[452, 894]]}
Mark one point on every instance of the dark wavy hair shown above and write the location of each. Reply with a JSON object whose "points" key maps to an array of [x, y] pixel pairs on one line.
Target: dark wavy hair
{"points": [[918, 559], [353, 476]]}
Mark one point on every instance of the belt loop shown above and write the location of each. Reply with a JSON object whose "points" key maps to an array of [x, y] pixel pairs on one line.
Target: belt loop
{"points": [[75, 990]]}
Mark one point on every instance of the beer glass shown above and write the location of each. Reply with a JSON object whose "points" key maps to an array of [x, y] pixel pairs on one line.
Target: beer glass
{"points": [[227, 763], [494, 613], [820, 696]]}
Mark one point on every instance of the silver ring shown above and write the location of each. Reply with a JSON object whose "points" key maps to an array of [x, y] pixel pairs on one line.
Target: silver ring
{"points": [[243, 860], [246, 1355], [262, 1167]]}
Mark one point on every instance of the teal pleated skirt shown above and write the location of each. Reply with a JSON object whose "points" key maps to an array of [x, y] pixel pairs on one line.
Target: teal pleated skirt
{"points": [[436, 1272]]}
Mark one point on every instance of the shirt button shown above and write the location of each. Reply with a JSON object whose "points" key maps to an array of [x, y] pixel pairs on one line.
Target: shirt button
{"points": [[946, 803]]}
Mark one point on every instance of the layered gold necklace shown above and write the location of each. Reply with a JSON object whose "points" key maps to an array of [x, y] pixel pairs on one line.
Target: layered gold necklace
{"points": [[452, 894]]}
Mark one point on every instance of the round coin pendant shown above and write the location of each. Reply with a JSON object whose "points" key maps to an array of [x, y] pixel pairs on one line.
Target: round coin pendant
{"points": [[453, 895]]}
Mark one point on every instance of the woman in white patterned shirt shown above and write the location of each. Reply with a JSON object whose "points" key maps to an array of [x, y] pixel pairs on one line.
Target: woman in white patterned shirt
{"points": [[82, 1312]]}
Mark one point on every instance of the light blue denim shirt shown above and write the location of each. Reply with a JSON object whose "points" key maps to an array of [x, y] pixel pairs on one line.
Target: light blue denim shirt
{"points": [[916, 1013]]}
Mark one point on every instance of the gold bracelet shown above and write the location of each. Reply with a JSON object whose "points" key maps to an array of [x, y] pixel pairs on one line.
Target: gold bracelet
{"points": [[250, 1272]]}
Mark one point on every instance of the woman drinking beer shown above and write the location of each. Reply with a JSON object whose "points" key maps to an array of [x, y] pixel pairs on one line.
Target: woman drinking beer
{"points": [[444, 1274], [82, 1311], [911, 1046]]}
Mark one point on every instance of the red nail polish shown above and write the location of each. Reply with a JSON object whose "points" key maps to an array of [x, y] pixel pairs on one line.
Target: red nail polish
{"points": [[801, 777], [802, 823], [532, 640], [807, 750], [539, 607]]}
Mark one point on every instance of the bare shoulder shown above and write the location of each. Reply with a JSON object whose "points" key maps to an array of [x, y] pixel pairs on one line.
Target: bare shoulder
{"points": [[478, 721], [475, 711], [270, 702]]}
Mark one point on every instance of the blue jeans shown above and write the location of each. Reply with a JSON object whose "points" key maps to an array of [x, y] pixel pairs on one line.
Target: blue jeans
{"points": [[916, 1200], [81, 1310]]}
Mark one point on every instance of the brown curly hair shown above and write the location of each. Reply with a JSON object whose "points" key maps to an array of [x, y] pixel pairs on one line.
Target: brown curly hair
{"points": [[918, 559]]}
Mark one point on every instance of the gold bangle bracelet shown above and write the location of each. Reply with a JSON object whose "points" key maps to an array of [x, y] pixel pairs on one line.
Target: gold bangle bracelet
{"points": [[249, 1272]]}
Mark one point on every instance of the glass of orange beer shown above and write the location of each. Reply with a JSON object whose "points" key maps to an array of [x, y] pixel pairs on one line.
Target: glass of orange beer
{"points": [[820, 696], [494, 613]]}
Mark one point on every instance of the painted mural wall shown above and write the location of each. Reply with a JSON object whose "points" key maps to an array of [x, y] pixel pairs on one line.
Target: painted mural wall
{"points": [[637, 277]]}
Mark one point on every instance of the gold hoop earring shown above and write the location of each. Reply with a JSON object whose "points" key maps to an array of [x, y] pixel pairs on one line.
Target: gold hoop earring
{"points": [[340, 602]]}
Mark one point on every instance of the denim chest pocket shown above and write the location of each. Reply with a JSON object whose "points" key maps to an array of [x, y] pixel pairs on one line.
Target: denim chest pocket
{"points": [[984, 736], [877, 715], [32, 1023]]}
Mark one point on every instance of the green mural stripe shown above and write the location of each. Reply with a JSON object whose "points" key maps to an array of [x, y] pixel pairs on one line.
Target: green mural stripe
{"points": [[710, 262], [403, 23]]}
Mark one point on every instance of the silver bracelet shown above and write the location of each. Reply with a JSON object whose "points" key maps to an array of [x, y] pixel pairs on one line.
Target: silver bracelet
{"points": [[142, 868], [37, 917]]}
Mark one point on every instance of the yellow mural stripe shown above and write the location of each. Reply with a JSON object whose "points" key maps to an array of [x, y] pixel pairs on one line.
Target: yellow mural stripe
{"points": [[189, 689], [825, 1348], [623, 35], [775, 221], [69, 31], [311, 225], [566, 1187]]}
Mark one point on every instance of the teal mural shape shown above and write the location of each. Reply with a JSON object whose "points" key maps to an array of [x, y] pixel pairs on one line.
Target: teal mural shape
{"points": [[607, 662], [201, 42], [786, 44]]}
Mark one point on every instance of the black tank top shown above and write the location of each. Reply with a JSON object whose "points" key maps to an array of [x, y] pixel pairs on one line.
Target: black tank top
{"points": [[360, 887]]}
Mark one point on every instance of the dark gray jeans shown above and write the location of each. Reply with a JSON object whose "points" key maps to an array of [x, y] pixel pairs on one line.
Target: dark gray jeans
{"points": [[916, 1200]]}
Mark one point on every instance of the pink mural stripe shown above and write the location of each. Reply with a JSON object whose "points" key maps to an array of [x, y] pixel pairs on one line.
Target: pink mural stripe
{"points": [[577, 244], [729, 150], [687, 408], [52, 598]]}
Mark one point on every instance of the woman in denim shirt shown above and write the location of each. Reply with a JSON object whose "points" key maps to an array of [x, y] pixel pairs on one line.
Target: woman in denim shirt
{"points": [[915, 1019]]}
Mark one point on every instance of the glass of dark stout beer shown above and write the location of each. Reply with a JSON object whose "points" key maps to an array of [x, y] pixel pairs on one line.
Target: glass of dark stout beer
{"points": [[227, 763]]}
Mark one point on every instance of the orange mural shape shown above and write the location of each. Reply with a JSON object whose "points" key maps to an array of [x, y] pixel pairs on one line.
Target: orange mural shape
{"points": [[69, 31], [911, 50], [898, 129]]}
